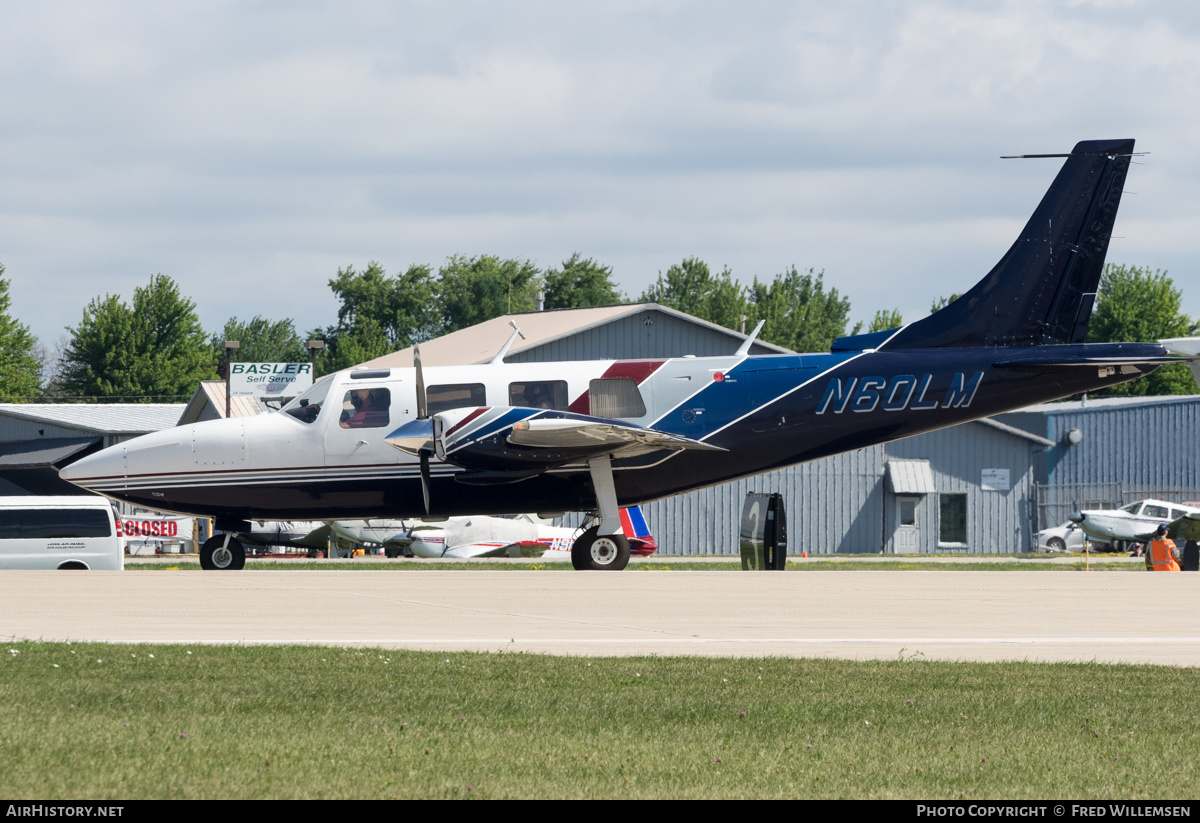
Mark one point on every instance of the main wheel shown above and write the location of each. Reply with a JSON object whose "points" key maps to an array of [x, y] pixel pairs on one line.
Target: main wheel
{"points": [[216, 556], [594, 552], [1056, 544]]}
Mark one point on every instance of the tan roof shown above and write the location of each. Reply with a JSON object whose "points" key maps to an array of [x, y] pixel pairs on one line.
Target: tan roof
{"points": [[210, 398], [481, 342]]}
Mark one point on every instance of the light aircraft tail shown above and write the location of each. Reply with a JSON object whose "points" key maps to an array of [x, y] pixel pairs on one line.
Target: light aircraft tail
{"points": [[633, 523], [1042, 291]]}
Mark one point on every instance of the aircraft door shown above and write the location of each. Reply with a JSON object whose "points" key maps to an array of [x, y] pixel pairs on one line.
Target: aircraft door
{"points": [[906, 524], [364, 415]]}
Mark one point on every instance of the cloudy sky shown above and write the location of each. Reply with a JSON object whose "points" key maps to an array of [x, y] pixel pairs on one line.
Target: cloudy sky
{"points": [[249, 149]]}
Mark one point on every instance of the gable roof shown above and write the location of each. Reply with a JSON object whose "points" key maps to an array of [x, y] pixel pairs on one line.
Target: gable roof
{"points": [[101, 418], [208, 403], [480, 343]]}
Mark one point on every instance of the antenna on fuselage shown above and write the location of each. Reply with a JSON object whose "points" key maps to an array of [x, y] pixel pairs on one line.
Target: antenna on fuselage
{"points": [[499, 358], [749, 341]]}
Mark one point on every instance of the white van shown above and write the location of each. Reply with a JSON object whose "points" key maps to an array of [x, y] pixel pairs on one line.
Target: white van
{"points": [[59, 533]]}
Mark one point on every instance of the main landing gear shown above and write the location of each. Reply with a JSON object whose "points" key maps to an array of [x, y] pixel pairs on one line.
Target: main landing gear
{"points": [[602, 547], [222, 552], [596, 552]]}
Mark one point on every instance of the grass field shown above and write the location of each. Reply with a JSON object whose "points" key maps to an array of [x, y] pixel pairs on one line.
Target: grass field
{"points": [[125, 722]]}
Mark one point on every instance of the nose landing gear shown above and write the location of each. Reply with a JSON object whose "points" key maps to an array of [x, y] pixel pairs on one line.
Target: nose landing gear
{"points": [[222, 552]]}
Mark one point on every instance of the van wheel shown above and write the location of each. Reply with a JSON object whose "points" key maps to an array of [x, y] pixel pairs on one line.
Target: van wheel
{"points": [[216, 556], [74, 564], [1056, 544]]}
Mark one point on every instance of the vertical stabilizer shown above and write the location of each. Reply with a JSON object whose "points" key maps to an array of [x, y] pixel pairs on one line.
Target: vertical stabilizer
{"points": [[1043, 289]]}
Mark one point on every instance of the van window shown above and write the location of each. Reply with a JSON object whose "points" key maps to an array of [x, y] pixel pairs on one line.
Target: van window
{"points": [[539, 394], [615, 397], [53, 524], [455, 396]]}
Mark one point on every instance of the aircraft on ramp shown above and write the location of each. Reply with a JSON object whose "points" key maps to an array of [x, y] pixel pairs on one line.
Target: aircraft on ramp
{"points": [[1138, 522], [595, 436]]}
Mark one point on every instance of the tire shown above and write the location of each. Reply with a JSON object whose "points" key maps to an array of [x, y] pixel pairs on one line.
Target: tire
{"points": [[1056, 544], [594, 552], [215, 556]]}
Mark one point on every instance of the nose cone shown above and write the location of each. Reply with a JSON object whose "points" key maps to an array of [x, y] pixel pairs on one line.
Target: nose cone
{"points": [[1077, 517], [413, 436], [97, 470], [134, 464]]}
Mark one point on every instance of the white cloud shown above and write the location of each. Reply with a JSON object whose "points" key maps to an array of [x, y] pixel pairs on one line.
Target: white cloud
{"points": [[248, 150]]}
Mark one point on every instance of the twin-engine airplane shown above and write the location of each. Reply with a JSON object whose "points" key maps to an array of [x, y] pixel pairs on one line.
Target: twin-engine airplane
{"points": [[595, 436]]}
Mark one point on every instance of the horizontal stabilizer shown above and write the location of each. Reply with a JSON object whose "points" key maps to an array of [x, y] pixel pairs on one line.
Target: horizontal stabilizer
{"points": [[1114, 355]]}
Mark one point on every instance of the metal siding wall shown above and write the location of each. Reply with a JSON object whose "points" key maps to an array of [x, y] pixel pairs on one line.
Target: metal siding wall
{"points": [[834, 505], [14, 429], [629, 338], [1151, 446], [997, 522]]}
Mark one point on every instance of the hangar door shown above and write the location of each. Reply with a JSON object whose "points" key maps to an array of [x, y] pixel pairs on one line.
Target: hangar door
{"points": [[910, 482]]}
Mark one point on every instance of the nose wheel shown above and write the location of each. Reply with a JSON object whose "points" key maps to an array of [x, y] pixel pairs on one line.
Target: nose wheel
{"points": [[222, 552], [600, 552]]}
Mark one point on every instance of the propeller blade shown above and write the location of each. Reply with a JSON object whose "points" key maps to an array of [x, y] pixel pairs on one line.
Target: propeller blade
{"points": [[422, 408], [425, 477]]}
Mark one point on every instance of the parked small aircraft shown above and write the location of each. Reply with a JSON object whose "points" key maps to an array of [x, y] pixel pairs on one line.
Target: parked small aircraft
{"points": [[594, 436], [522, 536], [1138, 522]]}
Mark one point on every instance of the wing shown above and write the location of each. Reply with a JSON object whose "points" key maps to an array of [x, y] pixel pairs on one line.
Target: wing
{"points": [[523, 548], [600, 435], [1185, 528], [500, 444]]}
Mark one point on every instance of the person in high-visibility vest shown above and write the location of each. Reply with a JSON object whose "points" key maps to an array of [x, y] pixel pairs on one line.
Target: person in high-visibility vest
{"points": [[1163, 552]]}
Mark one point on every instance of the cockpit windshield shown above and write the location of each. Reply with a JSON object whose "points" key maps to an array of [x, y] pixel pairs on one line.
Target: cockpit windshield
{"points": [[307, 406]]}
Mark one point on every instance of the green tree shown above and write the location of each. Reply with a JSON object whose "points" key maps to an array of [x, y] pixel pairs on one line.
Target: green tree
{"points": [[943, 302], [365, 342], [580, 283], [19, 368], [885, 319], [475, 289], [690, 287], [1137, 305], [154, 350], [262, 341], [379, 314], [800, 314]]}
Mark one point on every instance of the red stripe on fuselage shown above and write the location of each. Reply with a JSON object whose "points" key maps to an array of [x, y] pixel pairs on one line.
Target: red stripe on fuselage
{"points": [[639, 370], [466, 420]]}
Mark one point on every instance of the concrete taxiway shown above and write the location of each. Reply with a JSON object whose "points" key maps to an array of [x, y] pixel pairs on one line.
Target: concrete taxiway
{"points": [[1045, 616]]}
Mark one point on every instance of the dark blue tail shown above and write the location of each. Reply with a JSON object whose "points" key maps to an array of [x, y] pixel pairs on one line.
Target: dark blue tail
{"points": [[1042, 290]]}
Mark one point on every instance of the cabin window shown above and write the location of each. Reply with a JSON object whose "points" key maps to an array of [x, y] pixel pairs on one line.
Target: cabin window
{"points": [[1156, 512], [952, 509], [456, 396], [53, 524], [615, 397], [539, 394], [307, 406], [365, 409]]}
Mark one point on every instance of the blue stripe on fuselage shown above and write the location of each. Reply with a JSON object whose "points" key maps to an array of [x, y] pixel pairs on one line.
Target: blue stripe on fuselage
{"points": [[750, 385]]}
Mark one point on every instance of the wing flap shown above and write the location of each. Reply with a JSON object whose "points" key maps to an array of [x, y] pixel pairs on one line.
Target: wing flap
{"points": [[568, 433]]}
